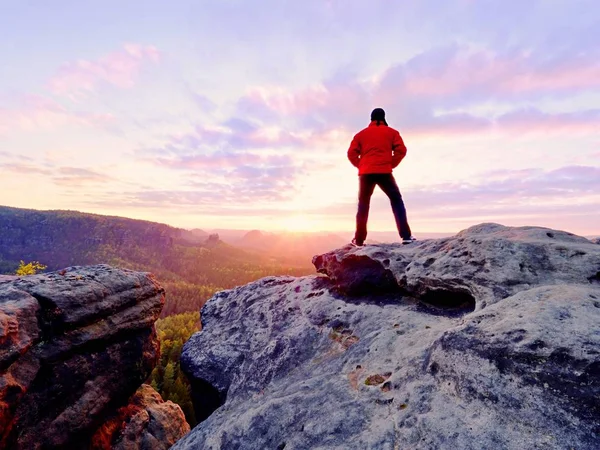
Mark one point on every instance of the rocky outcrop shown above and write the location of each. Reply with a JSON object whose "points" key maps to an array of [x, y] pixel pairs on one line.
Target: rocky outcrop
{"points": [[146, 423], [74, 346], [489, 339], [479, 266]]}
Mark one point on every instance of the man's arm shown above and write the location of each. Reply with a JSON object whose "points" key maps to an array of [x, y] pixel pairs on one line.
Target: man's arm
{"points": [[398, 149], [354, 152]]}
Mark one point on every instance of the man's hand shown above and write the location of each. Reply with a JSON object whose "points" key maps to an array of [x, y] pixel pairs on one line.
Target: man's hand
{"points": [[398, 150]]}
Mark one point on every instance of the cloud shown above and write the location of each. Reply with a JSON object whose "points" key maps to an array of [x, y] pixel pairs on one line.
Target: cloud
{"points": [[531, 119], [39, 113], [238, 150], [224, 161], [65, 176], [27, 169], [234, 135], [239, 177], [519, 187], [119, 68], [458, 74], [433, 93], [74, 176], [75, 80], [229, 163], [13, 156], [211, 197]]}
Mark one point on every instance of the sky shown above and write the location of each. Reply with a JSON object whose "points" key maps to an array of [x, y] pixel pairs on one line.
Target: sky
{"points": [[238, 114]]}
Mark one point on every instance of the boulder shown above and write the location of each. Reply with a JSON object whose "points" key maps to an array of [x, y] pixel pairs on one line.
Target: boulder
{"points": [[147, 422], [489, 339], [74, 346]]}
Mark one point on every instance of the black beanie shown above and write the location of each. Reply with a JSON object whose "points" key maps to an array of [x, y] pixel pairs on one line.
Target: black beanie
{"points": [[378, 114]]}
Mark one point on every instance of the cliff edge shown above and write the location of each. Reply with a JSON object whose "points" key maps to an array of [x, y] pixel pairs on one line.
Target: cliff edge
{"points": [[488, 339]]}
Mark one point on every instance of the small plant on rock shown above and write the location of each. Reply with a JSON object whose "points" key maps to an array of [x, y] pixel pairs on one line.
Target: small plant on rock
{"points": [[30, 268]]}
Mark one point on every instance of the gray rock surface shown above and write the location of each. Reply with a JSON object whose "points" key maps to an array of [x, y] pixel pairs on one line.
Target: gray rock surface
{"points": [[74, 346], [489, 339], [483, 264]]}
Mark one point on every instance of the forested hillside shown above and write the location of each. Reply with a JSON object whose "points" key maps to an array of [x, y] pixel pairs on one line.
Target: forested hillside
{"points": [[191, 265], [190, 269]]}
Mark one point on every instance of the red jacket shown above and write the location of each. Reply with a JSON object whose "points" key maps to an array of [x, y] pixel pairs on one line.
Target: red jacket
{"points": [[376, 149]]}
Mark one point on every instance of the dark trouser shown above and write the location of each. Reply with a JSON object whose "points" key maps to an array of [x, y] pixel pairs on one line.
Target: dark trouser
{"points": [[387, 183]]}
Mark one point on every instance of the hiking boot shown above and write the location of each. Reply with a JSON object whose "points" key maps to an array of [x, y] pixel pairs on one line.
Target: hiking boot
{"points": [[409, 240], [357, 244]]}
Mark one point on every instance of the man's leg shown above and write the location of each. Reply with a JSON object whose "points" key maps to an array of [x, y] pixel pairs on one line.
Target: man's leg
{"points": [[387, 183], [365, 191]]}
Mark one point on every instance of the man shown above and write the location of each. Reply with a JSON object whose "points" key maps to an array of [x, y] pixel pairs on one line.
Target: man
{"points": [[377, 150]]}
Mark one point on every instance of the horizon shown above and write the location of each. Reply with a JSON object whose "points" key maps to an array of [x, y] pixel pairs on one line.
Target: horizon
{"points": [[238, 116], [338, 233]]}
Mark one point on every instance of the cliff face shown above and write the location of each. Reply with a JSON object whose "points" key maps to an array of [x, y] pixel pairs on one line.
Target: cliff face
{"points": [[74, 346], [489, 339]]}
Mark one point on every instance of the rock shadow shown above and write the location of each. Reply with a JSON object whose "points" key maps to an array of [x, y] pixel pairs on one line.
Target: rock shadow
{"points": [[205, 398], [437, 302], [446, 302]]}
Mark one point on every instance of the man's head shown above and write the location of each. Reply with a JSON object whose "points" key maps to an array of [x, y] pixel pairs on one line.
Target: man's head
{"points": [[378, 115]]}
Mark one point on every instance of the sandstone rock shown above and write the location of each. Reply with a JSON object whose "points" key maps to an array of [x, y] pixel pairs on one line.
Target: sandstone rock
{"points": [[146, 423], [480, 265], [73, 345], [377, 356]]}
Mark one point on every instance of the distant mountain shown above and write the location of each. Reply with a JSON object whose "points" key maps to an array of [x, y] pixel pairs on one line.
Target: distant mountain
{"points": [[230, 236], [197, 233], [192, 270], [253, 238]]}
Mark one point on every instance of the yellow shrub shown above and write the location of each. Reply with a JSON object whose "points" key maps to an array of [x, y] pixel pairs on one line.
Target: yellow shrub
{"points": [[30, 268]]}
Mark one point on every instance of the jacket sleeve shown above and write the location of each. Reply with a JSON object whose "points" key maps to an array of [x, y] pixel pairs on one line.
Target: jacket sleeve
{"points": [[354, 152], [398, 149]]}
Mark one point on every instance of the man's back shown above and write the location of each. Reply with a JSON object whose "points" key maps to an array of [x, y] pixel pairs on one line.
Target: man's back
{"points": [[376, 149]]}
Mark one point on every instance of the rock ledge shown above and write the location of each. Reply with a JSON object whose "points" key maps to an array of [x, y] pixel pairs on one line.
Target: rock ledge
{"points": [[488, 339]]}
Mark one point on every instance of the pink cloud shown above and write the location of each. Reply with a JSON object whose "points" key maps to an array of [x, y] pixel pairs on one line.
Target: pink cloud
{"points": [[447, 78], [235, 136], [37, 113], [76, 176], [213, 161], [518, 122], [26, 169], [120, 68], [533, 120], [487, 73], [345, 97]]}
